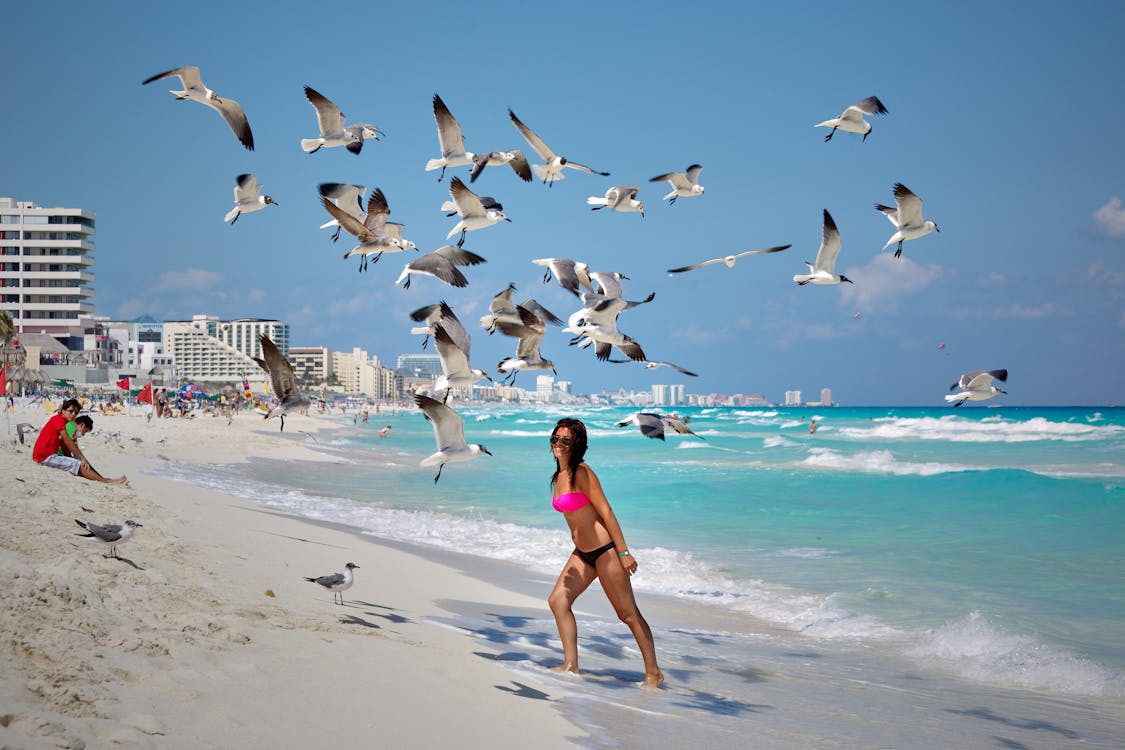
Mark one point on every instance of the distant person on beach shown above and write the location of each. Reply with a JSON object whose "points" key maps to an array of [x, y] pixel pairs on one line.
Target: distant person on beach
{"points": [[383, 432], [812, 427], [577, 494], [54, 435]]}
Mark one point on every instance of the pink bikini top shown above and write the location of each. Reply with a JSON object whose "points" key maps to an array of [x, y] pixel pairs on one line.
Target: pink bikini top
{"points": [[570, 502]]}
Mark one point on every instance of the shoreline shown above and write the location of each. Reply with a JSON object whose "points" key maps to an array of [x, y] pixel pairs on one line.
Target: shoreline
{"points": [[204, 630]]}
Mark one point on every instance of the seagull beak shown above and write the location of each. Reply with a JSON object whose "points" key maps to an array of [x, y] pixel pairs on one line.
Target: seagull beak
{"points": [[485, 450]]}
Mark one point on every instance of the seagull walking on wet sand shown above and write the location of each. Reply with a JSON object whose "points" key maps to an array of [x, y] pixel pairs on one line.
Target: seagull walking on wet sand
{"points": [[823, 271], [977, 386], [475, 212], [684, 184], [450, 139], [111, 534], [333, 132], [620, 198], [729, 260], [907, 218], [449, 434], [195, 91], [247, 198], [337, 583], [442, 265], [289, 396], [553, 168], [851, 119]]}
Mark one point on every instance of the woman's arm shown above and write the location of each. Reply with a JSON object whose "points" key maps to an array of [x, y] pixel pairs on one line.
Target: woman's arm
{"points": [[609, 519]]}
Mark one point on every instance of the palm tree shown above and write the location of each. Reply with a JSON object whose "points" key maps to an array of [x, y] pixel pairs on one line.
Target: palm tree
{"points": [[7, 326]]}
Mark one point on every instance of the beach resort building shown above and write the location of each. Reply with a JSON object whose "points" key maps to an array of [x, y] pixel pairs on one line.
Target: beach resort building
{"points": [[358, 373], [208, 350], [311, 364], [47, 269], [792, 398]]}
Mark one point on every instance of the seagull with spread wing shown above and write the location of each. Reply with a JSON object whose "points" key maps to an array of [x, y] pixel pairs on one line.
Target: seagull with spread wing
{"points": [[289, 396], [195, 91], [449, 434], [729, 260], [553, 168], [333, 132]]}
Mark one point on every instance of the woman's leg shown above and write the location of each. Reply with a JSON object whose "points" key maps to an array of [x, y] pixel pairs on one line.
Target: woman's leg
{"points": [[576, 577], [619, 591]]}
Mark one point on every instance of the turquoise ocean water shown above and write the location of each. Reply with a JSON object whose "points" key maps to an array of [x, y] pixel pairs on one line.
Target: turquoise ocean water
{"points": [[981, 545]]}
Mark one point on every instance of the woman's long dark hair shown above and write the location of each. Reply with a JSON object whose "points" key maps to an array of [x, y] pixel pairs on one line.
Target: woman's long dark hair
{"points": [[577, 447]]}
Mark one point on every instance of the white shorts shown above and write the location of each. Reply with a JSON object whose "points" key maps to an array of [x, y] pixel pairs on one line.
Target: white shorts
{"points": [[66, 463]]}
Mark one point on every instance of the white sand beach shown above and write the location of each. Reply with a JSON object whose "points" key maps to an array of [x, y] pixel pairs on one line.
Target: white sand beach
{"points": [[204, 631]]}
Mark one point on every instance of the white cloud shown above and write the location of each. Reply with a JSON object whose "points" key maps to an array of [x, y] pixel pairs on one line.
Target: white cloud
{"points": [[188, 279], [883, 283], [1109, 220], [1014, 311], [1097, 271]]}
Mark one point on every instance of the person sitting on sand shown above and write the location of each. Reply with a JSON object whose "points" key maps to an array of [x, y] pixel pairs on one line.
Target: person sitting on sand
{"points": [[54, 435], [599, 552]]}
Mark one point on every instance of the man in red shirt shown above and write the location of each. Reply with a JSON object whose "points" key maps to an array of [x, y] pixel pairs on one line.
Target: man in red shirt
{"points": [[53, 437]]}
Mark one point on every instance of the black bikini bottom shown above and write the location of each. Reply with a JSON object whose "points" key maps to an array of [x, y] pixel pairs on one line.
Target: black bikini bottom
{"points": [[591, 557]]}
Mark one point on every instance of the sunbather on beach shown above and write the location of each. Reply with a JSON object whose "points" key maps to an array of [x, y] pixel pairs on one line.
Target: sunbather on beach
{"points": [[54, 436]]}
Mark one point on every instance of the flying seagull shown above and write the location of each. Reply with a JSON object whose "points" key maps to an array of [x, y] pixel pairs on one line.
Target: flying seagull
{"points": [[449, 434], [111, 534], [596, 323], [977, 386], [195, 91], [907, 218], [333, 132], [824, 270], [455, 367], [502, 309], [475, 212], [729, 260], [376, 235], [285, 388], [247, 198], [570, 273], [346, 197], [851, 119], [654, 425], [555, 164], [530, 332], [452, 143], [684, 184], [651, 365], [441, 264], [620, 198], [337, 583], [514, 159]]}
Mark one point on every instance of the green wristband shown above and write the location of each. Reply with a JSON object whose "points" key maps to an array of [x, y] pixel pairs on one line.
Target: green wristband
{"points": [[623, 554]]}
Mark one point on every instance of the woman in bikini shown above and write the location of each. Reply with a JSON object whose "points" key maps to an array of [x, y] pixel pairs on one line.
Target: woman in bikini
{"points": [[599, 550]]}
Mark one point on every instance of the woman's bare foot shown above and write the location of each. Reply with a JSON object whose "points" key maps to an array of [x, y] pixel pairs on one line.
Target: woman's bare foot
{"points": [[653, 680], [572, 668], [120, 480]]}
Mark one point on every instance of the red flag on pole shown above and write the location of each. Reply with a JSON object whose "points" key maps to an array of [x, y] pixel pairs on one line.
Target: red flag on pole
{"points": [[145, 396], [123, 384], [3, 381]]}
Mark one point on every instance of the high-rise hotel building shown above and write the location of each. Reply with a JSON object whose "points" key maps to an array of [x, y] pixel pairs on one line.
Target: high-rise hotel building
{"points": [[47, 268]]}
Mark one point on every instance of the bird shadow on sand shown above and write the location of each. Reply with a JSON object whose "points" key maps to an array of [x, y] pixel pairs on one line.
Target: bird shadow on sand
{"points": [[125, 560], [524, 691], [390, 614]]}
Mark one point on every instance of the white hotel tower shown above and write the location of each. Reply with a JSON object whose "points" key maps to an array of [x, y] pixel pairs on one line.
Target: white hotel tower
{"points": [[46, 268]]}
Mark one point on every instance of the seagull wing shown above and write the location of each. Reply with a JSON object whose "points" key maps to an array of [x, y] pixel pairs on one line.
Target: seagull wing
{"points": [[519, 165], [890, 212], [448, 129], [377, 211], [651, 425], [694, 266], [236, 119], [829, 246], [466, 201], [281, 372], [351, 224], [536, 143], [347, 197], [328, 116], [774, 249], [449, 428], [909, 206], [246, 189], [541, 312], [329, 581], [454, 359], [678, 180], [870, 106], [188, 75], [459, 257]]}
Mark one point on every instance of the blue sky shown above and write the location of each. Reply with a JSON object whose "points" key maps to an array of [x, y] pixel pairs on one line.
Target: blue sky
{"points": [[1006, 124]]}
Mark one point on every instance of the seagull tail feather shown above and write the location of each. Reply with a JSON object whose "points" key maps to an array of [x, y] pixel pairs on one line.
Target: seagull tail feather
{"points": [[309, 145]]}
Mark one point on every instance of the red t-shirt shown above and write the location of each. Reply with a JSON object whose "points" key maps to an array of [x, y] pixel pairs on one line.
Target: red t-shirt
{"points": [[48, 443]]}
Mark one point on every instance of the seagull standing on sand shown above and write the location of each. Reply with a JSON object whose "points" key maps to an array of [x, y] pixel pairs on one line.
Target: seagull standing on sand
{"points": [[475, 212], [376, 235], [570, 273], [530, 332], [907, 218], [729, 260], [285, 388], [555, 164], [851, 119], [337, 583], [195, 91], [514, 159], [452, 143], [620, 198], [824, 270], [441, 264], [24, 428], [684, 184], [346, 197], [449, 434], [977, 386], [333, 132], [247, 198], [111, 534]]}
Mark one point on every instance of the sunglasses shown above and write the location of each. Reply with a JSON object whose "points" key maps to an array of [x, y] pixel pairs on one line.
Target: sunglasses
{"points": [[564, 440]]}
